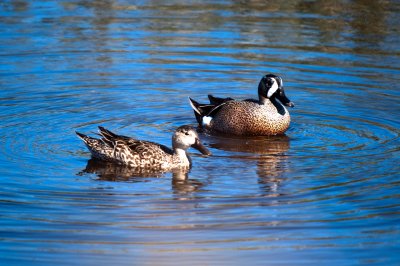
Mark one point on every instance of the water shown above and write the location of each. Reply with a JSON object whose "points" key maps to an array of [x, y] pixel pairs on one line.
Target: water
{"points": [[325, 193]]}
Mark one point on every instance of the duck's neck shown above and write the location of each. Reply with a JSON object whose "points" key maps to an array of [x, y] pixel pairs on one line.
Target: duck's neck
{"points": [[279, 107], [262, 99], [182, 157]]}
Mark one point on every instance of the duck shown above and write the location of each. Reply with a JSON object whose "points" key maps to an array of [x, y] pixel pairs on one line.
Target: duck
{"points": [[142, 154], [263, 117]]}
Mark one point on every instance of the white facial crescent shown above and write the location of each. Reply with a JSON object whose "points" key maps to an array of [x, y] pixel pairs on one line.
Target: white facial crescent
{"points": [[273, 88]]}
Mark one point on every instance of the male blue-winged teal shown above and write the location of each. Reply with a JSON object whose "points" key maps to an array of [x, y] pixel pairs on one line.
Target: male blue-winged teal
{"points": [[145, 154], [265, 116]]}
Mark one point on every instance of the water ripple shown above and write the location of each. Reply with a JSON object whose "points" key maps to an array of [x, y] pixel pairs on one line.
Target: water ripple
{"points": [[327, 191], [343, 135]]}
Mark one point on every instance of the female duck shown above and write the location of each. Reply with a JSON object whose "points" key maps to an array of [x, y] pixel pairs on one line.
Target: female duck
{"points": [[265, 116], [145, 154]]}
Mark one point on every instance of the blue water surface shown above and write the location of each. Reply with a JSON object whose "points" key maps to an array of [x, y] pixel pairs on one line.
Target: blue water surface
{"points": [[325, 193]]}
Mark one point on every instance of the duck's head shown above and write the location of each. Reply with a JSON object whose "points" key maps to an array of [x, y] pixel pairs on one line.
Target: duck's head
{"points": [[271, 86], [185, 137]]}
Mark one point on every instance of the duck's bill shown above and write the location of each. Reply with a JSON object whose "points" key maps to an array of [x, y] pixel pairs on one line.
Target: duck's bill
{"points": [[289, 104], [284, 100], [201, 148]]}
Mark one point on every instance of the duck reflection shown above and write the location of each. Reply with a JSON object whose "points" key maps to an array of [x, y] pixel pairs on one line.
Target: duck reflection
{"points": [[183, 186], [106, 171], [264, 145], [269, 153]]}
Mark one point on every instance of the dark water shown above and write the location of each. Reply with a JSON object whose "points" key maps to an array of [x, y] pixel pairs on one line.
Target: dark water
{"points": [[326, 193]]}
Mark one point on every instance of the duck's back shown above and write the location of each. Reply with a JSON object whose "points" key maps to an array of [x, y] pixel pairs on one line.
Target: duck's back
{"points": [[251, 118]]}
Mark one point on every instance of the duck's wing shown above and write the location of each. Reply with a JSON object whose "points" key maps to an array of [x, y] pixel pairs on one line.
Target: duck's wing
{"points": [[146, 154], [108, 136], [252, 101], [129, 149], [148, 148], [132, 143], [217, 100]]}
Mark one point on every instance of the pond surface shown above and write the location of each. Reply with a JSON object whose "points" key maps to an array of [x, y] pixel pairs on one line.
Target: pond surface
{"points": [[325, 193]]}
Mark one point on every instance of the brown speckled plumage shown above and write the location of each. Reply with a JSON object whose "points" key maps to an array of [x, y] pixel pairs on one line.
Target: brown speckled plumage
{"points": [[144, 154], [250, 119], [267, 116]]}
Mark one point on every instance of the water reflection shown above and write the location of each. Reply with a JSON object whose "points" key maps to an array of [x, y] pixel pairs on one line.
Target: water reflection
{"points": [[182, 186], [270, 153], [264, 145], [106, 171]]}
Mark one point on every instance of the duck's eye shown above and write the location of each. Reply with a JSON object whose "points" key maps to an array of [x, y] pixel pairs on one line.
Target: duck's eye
{"points": [[187, 133]]}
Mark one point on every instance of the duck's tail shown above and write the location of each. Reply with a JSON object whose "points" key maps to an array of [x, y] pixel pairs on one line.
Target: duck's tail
{"points": [[107, 134], [195, 106], [99, 148], [205, 112], [201, 110], [91, 143], [198, 110], [82, 136]]}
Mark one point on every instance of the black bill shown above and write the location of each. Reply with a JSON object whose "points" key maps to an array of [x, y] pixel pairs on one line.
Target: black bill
{"points": [[201, 148], [283, 99]]}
